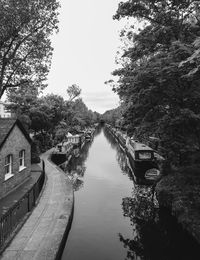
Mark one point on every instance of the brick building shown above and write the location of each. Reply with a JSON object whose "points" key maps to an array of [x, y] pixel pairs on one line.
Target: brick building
{"points": [[15, 155]]}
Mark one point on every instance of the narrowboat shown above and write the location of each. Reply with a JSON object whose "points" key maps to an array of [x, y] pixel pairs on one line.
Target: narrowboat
{"points": [[62, 153], [77, 140], [143, 161], [63, 148]]}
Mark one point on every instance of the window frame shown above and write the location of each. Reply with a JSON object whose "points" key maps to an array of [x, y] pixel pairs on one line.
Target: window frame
{"points": [[8, 166], [140, 152], [22, 160]]}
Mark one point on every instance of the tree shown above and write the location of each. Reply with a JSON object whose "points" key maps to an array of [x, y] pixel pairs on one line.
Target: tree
{"points": [[25, 46], [52, 106], [40, 122], [81, 116], [113, 117], [155, 81], [61, 131], [73, 92], [20, 100], [45, 116], [192, 63]]}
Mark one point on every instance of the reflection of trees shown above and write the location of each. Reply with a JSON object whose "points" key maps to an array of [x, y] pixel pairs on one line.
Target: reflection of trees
{"points": [[98, 130], [78, 184], [123, 162], [76, 176], [77, 163], [76, 167], [110, 138], [135, 250], [120, 156], [146, 240], [149, 243], [141, 205], [156, 234], [140, 209]]}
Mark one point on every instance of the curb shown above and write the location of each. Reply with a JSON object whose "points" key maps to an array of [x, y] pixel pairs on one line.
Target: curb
{"points": [[69, 224]]}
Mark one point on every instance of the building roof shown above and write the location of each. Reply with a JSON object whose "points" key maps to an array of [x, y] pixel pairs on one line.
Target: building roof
{"points": [[6, 126]]}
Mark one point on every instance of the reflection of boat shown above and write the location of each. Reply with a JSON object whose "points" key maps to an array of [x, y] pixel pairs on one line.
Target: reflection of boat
{"points": [[76, 152], [143, 161], [118, 135], [88, 135]]}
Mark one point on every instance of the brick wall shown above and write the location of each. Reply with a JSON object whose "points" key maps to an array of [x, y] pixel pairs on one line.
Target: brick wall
{"points": [[13, 145]]}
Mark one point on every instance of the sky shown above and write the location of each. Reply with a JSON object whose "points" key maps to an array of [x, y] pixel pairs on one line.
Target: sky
{"points": [[84, 51]]}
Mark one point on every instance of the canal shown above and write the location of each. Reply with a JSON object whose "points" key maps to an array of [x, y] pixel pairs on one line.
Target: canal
{"points": [[113, 217]]}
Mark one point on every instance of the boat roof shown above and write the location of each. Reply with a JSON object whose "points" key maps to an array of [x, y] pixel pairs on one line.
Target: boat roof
{"points": [[141, 146]]}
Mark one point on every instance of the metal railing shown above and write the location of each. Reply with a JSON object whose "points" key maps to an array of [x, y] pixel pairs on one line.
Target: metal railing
{"points": [[10, 220]]}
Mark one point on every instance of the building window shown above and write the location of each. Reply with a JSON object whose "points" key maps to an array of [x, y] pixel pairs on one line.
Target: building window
{"points": [[21, 159], [8, 166]]}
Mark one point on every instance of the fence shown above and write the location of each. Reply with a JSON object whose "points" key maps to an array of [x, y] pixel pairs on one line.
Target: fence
{"points": [[15, 214]]}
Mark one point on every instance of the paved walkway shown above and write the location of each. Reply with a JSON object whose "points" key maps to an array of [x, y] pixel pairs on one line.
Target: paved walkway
{"points": [[41, 235]]}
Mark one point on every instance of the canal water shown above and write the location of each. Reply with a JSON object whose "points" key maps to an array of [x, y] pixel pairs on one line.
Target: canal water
{"points": [[115, 219]]}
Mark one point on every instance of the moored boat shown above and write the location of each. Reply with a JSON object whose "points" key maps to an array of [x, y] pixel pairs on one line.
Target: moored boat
{"points": [[77, 140], [143, 161]]}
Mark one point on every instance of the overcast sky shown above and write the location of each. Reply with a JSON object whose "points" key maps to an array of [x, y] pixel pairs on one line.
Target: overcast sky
{"points": [[85, 50]]}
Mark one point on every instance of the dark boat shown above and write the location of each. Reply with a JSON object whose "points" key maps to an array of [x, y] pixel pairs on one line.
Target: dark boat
{"points": [[143, 161]]}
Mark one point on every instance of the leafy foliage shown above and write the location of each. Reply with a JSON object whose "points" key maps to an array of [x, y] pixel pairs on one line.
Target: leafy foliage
{"points": [[73, 91], [114, 117], [158, 81], [49, 118], [25, 47]]}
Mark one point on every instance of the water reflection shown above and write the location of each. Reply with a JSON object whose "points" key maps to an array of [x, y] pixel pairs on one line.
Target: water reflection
{"points": [[140, 210], [98, 130], [158, 239], [76, 168], [121, 157], [155, 233], [141, 205], [114, 217]]}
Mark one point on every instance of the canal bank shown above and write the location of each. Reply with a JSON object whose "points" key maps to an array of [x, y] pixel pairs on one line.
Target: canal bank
{"points": [[42, 235]]}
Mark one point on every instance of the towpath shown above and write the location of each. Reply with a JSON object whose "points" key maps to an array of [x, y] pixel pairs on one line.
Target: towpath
{"points": [[42, 235]]}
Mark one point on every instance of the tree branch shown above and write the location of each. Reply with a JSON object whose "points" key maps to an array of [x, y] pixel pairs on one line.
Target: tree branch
{"points": [[17, 66]]}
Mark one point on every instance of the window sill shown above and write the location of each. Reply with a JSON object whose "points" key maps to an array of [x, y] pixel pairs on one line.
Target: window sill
{"points": [[21, 168], [8, 176]]}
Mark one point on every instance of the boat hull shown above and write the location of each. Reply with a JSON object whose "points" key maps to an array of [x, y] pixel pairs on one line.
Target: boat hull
{"points": [[139, 169]]}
